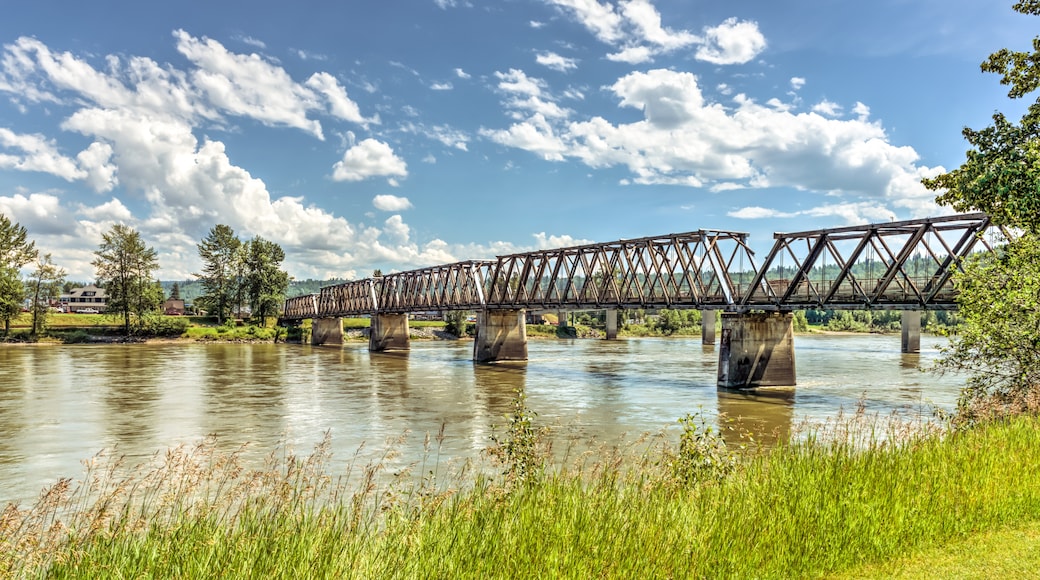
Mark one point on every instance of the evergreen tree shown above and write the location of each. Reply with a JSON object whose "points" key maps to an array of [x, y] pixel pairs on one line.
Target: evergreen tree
{"points": [[266, 282], [221, 260], [124, 267]]}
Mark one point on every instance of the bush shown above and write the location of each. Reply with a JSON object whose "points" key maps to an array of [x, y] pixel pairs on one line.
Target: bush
{"points": [[159, 325]]}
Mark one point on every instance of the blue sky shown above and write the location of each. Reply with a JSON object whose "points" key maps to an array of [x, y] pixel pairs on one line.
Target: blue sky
{"points": [[400, 134]]}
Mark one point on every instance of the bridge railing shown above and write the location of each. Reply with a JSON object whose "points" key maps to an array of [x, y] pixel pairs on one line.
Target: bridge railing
{"points": [[907, 264]]}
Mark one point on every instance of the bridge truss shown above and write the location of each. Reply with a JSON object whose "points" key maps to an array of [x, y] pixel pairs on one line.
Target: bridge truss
{"points": [[904, 265]]}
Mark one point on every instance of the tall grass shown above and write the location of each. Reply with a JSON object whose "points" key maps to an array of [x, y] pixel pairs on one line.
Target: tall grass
{"points": [[837, 498]]}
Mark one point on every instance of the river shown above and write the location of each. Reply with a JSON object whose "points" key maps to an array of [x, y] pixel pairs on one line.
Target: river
{"points": [[60, 405]]}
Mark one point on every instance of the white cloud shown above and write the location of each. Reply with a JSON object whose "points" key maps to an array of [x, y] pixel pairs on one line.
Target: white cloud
{"points": [[528, 95], [391, 203], [732, 42], [827, 108], [36, 153], [461, 74], [556, 62], [441, 86], [369, 158], [634, 29], [248, 85], [339, 103], [685, 139], [797, 83], [851, 213]]}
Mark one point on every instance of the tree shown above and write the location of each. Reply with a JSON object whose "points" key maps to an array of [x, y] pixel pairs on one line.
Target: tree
{"points": [[1001, 175], [221, 258], [44, 285], [12, 295], [999, 295], [124, 267], [175, 291], [15, 251], [266, 283]]}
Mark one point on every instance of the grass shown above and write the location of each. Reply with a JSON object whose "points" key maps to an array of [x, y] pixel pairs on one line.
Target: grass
{"points": [[855, 498]]}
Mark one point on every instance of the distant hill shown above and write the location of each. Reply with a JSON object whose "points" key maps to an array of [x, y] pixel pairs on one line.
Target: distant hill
{"points": [[192, 289]]}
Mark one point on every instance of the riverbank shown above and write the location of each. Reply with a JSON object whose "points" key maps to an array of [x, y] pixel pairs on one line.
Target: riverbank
{"points": [[844, 501]]}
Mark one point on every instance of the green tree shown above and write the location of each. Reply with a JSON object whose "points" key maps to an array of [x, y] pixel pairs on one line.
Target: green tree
{"points": [[43, 286], [221, 264], [12, 295], [15, 248], [175, 291], [1002, 171], [266, 283], [15, 251], [124, 267], [999, 295]]}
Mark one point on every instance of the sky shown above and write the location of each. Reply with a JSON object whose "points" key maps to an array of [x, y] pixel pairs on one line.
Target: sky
{"points": [[406, 133]]}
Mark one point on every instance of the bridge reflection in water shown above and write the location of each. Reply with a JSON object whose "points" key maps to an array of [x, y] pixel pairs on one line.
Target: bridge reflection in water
{"points": [[905, 265]]}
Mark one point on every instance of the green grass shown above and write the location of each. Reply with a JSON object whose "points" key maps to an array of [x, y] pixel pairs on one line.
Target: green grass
{"points": [[851, 506]]}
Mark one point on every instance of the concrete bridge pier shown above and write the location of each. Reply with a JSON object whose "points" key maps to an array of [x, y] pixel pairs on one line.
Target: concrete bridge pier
{"points": [[388, 332], [911, 325], [708, 326], [326, 331], [612, 323], [756, 350], [501, 335]]}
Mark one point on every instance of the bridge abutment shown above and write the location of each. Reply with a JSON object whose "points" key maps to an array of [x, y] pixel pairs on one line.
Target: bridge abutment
{"points": [[326, 331], [708, 326], [756, 350], [612, 323], [388, 332], [501, 335], [911, 326]]}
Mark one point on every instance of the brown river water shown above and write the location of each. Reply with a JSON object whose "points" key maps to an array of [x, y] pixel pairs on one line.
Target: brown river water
{"points": [[60, 405]]}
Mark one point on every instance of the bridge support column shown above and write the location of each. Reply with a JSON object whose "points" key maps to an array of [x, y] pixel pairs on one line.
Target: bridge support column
{"points": [[501, 335], [388, 332], [612, 323], [326, 331], [911, 324], [708, 326], [757, 350]]}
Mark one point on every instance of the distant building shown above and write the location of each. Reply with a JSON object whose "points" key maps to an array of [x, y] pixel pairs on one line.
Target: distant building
{"points": [[174, 307], [86, 298]]}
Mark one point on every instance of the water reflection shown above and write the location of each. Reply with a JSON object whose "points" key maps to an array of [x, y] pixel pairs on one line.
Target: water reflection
{"points": [[765, 414], [60, 405]]}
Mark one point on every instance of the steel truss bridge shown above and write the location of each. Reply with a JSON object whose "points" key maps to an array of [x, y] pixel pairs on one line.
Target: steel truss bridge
{"points": [[905, 265]]}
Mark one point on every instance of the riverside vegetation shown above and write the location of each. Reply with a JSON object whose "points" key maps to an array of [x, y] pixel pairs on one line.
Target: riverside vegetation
{"points": [[858, 496]]}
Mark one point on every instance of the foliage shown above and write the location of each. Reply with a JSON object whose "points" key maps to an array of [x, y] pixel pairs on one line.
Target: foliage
{"points": [[519, 449], [12, 294], [15, 251], [801, 323], [15, 248], [999, 344], [221, 252], [160, 325], [124, 267], [265, 282], [44, 285], [796, 511], [702, 455], [673, 321], [455, 322]]}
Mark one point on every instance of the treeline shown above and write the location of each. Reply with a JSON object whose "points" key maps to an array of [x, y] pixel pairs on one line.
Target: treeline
{"points": [[237, 277]]}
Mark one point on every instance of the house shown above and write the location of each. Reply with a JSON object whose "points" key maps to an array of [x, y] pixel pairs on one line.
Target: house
{"points": [[173, 307], [87, 298]]}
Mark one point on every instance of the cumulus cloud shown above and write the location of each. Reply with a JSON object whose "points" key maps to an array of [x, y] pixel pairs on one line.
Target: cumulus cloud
{"points": [[827, 108], [851, 213], [36, 153], [391, 203], [461, 73], [635, 31], [369, 158], [797, 83], [556, 62], [732, 42], [685, 139]]}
